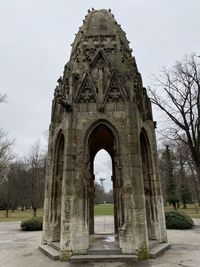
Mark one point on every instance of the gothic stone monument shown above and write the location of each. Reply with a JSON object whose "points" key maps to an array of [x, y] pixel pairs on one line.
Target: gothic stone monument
{"points": [[100, 103]]}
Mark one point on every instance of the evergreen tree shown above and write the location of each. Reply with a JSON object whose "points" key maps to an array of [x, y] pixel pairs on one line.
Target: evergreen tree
{"points": [[171, 190]]}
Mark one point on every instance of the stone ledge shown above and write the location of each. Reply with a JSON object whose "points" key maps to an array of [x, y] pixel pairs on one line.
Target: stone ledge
{"points": [[102, 258], [50, 252], [159, 249], [103, 251], [55, 245]]}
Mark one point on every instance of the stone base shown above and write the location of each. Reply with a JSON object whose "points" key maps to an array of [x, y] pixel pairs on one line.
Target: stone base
{"points": [[102, 258], [158, 250], [101, 255], [50, 252]]}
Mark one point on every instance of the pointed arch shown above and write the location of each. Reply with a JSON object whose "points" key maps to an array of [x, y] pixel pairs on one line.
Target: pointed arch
{"points": [[87, 91], [103, 135], [100, 55], [96, 125], [115, 92], [56, 191]]}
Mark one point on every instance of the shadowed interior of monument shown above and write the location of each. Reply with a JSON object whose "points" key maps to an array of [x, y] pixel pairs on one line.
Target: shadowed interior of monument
{"points": [[102, 137]]}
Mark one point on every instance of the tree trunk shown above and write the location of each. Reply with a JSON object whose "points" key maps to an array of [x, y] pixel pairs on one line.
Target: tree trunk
{"points": [[22, 207], [174, 205], [197, 168], [196, 207], [7, 209], [184, 204], [34, 212]]}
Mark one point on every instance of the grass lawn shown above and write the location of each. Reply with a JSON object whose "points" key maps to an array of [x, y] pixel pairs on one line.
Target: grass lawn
{"points": [[103, 209], [99, 210], [18, 215], [107, 209]]}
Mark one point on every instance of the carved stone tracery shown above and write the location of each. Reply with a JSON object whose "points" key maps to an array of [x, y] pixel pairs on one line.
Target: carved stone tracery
{"points": [[86, 93]]}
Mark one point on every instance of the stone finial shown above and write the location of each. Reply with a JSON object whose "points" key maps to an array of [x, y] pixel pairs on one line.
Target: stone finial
{"points": [[59, 80], [109, 10]]}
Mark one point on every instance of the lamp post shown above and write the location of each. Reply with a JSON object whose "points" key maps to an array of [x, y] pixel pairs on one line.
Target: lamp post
{"points": [[102, 180]]}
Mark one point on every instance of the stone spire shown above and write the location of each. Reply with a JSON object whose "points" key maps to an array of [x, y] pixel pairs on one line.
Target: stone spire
{"points": [[100, 23]]}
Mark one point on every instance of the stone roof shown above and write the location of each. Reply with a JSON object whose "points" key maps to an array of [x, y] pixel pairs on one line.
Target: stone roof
{"points": [[100, 22]]}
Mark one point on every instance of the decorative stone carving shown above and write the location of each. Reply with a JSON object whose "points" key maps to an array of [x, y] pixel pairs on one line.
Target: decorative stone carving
{"points": [[87, 91], [61, 93], [115, 92]]}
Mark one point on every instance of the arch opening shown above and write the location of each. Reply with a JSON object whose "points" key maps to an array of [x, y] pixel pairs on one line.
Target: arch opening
{"points": [[56, 191], [102, 138], [103, 195]]}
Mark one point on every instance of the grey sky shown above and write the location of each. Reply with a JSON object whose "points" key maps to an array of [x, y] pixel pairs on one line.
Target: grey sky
{"points": [[35, 38]]}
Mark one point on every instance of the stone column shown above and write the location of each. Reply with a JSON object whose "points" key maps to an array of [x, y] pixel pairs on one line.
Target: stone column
{"points": [[161, 234], [67, 205], [138, 212], [46, 234]]}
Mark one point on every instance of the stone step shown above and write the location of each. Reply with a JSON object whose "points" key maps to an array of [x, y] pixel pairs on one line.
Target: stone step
{"points": [[153, 243], [97, 251], [159, 249], [55, 245], [102, 258], [50, 252]]}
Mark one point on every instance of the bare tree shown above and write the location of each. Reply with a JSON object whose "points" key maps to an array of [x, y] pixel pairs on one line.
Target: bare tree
{"points": [[177, 94], [5, 154], [2, 98], [36, 163]]}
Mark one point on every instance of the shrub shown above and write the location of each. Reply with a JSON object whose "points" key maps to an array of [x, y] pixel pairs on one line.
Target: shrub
{"points": [[178, 220], [33, 224]]}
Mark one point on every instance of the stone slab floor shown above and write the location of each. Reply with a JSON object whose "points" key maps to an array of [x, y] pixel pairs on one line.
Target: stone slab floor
{"points": [[20, 249]]}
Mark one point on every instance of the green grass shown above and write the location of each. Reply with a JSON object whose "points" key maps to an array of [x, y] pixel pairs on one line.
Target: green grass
{"points": [[18, 215], [99, 210], [103, 209]]}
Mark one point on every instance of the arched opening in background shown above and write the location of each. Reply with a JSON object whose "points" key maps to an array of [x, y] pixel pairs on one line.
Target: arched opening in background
{"points": [[149, 184], [104, 137], [103, 195], [56, 191]]}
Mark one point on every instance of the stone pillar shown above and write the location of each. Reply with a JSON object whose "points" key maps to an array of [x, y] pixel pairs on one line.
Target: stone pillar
{"points": [[138, 213], [161, 234], [46, 234]]}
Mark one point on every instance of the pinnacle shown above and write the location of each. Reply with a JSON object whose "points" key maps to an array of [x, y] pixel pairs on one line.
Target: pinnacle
{"points": [[100, 22]]}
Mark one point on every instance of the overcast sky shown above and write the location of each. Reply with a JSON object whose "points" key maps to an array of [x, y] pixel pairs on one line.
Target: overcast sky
{"points": [[35, 38]]}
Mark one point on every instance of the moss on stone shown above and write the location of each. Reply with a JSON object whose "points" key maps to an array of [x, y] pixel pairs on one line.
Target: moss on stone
{"points": [[65, 255], [143, 254]]}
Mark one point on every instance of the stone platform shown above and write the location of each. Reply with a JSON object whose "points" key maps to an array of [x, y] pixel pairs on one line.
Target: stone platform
{"points": [[104, 246], [18, 248]]}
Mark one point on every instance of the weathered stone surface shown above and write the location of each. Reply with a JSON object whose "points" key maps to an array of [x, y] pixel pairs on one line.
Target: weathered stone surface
{"points": [[103, 258], [100, 102], [50, 252]]}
